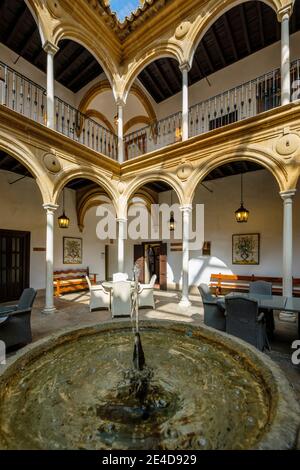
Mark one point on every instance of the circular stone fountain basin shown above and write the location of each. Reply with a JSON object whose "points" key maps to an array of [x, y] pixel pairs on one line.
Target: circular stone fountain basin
{"points": [[208, 391]]}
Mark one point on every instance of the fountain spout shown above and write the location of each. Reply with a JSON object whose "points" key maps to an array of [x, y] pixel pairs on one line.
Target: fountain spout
{"points": [[138, 353]]}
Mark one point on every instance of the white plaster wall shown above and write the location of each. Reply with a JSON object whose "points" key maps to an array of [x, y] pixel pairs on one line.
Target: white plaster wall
{"points": [[105, 104], [33, 73], [21, 209], [240, 72], [262, 198]]}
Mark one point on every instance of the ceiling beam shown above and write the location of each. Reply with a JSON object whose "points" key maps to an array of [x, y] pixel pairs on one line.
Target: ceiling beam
{"points": [[162, 78], [4, 159], [153, 84], [67, 64], [207, 57], [177, 73], [198, 67], [37, 55], [16, 27], [27, 40], [230, 36], [245, 28], [260, 23], [218, 47], [81, 71]]}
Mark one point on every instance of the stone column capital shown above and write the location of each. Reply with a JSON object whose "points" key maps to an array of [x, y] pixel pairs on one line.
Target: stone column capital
{"points": [[289, 194], [186, 208], [49, 207], [185, 67], [285, 12], [50, 48], [120, 102]]}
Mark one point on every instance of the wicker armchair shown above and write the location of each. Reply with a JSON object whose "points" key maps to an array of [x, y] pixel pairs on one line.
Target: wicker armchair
{"points": [[16, 330], [264, 288], [214, 313], [244, 321]]}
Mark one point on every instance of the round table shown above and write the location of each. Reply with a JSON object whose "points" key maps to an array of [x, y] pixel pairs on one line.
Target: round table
{"points": [[108, 285]]}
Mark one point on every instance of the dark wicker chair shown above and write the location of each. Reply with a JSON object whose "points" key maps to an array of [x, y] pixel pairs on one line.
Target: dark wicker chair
{"points": [[264, 288], [244, 321], [214, 314], [16, 330]]}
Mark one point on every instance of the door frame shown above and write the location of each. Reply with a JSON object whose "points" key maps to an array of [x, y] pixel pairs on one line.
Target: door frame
{"points": [[161, 244], [26, 255]]}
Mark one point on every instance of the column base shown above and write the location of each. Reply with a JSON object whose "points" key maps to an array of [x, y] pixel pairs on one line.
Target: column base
{"points": [[287, 317], [184, 303], [49, 310]]}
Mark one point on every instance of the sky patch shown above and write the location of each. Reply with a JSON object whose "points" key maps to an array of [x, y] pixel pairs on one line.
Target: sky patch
{"points": [[123, 8]]}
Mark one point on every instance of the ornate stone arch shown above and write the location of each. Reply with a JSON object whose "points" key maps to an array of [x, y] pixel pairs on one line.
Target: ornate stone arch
{"points": [[135, 185], [23, 155], [104, 85], [95, 175], [87, 40], [253, 153], [214, 10], [162, 49]]}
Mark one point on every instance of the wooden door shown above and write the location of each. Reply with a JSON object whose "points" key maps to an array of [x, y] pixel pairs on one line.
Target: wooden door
{"points": [[139, 260], [14, 264], [163, 266]]}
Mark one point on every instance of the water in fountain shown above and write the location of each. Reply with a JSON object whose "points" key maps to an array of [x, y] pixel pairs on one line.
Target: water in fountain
{"points": [[137, 399]]}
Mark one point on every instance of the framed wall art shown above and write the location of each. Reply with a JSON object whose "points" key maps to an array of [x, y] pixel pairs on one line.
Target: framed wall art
{"points": [[246, 248], [72, 250]]}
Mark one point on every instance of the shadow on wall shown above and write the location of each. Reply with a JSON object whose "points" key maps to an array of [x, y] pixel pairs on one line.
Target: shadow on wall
{"points": [[200, 270]]}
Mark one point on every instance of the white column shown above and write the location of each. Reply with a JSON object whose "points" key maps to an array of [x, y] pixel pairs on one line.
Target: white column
{"points": [[185, 101], [120, 132], [122, 229], [186, 221], [49, 304], [284, 17], [51, 51], [287, 269]]}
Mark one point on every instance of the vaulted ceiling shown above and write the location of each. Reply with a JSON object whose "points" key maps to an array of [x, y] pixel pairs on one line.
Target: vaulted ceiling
{"points": [[240, 32]]}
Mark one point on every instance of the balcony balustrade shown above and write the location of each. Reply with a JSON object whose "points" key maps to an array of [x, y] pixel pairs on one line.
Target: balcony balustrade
{"points": [[244, 101]]}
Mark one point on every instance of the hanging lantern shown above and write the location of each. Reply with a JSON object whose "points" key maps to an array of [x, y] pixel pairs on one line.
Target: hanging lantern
{"points": [[172, 223], [63, 220], [242, 214]]}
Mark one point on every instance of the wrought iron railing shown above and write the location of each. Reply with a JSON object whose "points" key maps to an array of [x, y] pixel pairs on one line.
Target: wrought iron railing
{"points": [[247, 100], [158, 135], [20, 94], [79, 127], [242, 102]]}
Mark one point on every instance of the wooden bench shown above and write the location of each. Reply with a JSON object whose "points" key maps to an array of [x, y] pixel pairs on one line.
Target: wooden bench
{"points": [[71, 280], [224, 283]]}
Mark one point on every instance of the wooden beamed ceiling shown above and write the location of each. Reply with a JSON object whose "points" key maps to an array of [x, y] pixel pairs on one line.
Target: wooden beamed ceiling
{"points": [[8, 163], [241, 31]]}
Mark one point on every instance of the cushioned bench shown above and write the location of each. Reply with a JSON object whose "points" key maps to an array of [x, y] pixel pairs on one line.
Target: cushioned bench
{"points": [[224, 283], [71, 280]]}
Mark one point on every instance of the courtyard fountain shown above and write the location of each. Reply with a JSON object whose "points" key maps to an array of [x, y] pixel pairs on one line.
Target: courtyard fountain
{"points": [[145, 385]]}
